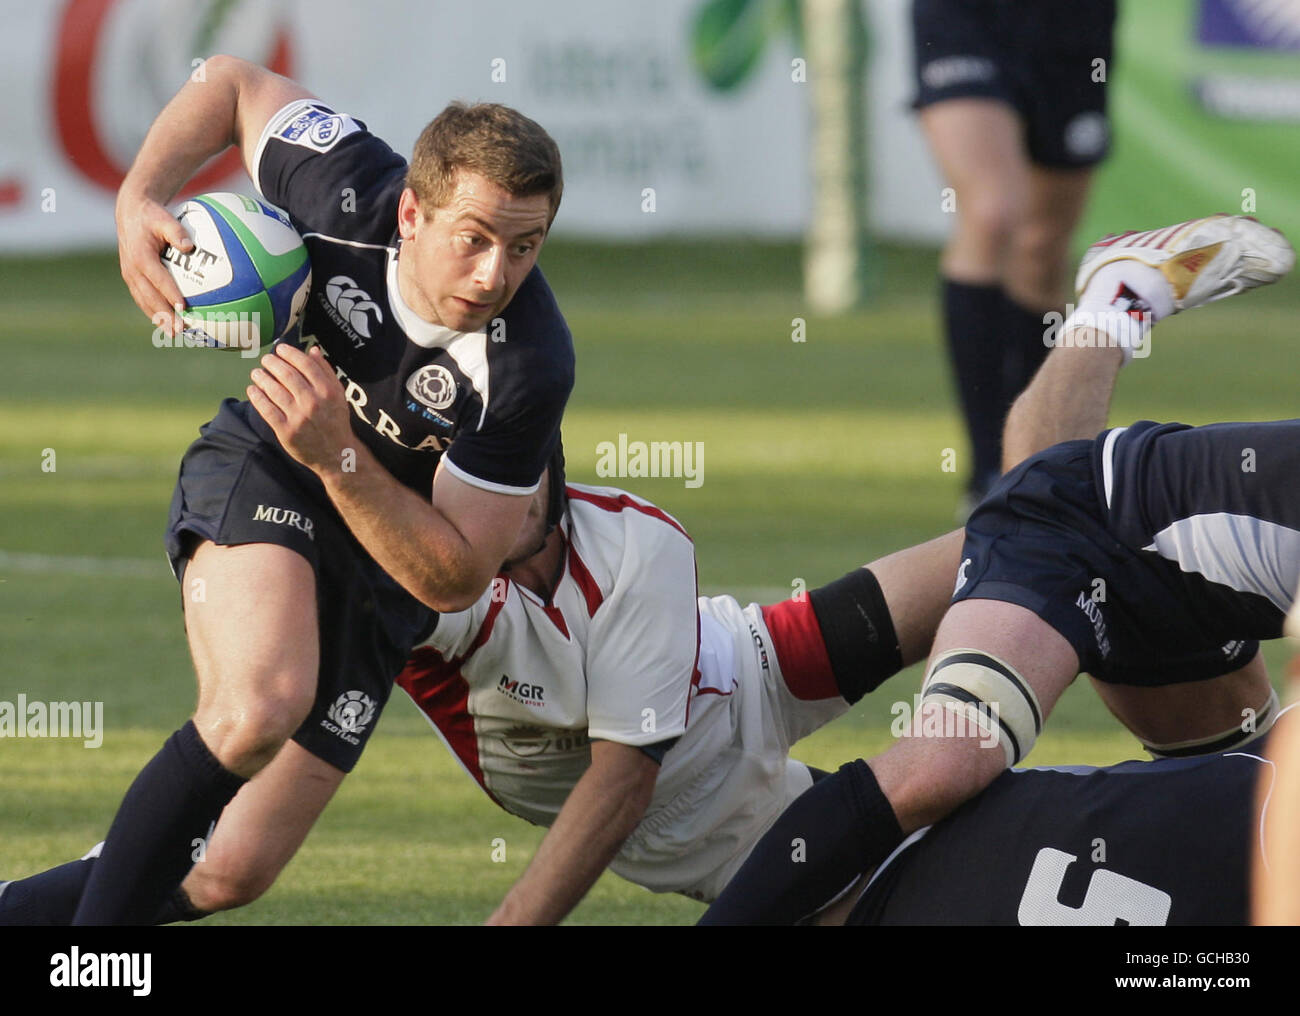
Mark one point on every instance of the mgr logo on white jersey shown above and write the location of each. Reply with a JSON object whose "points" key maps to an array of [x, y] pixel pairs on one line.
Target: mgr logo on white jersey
{"points": [[521, 691]]}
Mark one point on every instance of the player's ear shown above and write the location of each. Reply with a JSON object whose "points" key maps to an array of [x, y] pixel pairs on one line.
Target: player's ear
{"points": [[408, 213]]}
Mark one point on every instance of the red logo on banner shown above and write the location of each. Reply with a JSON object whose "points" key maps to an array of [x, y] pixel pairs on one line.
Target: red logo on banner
{"points": [[80, 33]]}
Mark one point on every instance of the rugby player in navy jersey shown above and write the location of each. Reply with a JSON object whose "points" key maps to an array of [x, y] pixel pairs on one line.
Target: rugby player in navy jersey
{"points": [[1127, 844], [1152, 557], [590, 635], [292, 552]]}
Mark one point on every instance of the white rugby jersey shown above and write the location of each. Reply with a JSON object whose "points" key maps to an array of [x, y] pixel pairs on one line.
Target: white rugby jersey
{"points": [[518, 688]]}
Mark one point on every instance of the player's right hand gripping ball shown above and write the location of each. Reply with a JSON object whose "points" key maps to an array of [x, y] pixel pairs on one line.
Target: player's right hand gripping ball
{"points": [[246, 280]]}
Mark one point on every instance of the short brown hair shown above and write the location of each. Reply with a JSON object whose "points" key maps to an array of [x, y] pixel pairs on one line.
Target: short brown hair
{"points": [[492, 140]]}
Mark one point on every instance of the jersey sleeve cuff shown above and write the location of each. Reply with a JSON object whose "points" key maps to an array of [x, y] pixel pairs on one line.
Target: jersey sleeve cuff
{"points": [[495, 488]]}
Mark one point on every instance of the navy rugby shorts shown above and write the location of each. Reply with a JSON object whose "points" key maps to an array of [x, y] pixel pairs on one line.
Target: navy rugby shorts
{"points": [[1040, 540], [1038, 56], [234, 489]]}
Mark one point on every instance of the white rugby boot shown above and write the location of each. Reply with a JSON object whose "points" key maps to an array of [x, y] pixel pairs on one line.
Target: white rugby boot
{"points": [[1203, 260]]}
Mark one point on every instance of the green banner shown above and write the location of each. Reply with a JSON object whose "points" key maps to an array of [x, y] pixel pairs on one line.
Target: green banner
{"points": [[1205, 104]]}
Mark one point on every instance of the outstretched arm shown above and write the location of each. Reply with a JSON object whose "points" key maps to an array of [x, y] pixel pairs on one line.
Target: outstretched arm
{"points": [[600, 813], [230, 106], [1068, 398], [917, 584]]}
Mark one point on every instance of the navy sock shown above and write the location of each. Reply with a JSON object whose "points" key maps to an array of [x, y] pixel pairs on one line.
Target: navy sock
{"points": [[1024, 349], [973, 322], [50, 898], [45, 900], [829, 836], [150, 846]]}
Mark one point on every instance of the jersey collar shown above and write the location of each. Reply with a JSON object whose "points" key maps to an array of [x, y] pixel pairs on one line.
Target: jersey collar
{"points": [[423, 333]]}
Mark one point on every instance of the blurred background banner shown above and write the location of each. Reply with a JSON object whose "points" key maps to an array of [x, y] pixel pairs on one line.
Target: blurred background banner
{"points": [[684, 117], [650, 145], [1206, 102]]}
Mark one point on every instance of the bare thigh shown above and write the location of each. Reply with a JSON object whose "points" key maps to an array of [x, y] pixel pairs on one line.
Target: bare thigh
{"points": [[1038, 260], [250, 615], [979, 146]]}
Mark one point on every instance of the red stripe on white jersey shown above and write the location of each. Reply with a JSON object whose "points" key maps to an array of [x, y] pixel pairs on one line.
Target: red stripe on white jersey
{"points": [[801, 649], [696, 676], [557, 619], [439, 688], [586, 582], [617, 504]]}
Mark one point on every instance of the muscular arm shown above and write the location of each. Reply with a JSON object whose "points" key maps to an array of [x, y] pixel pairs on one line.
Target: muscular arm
{"points": [[230, 106], [1068, 398], [599, 814], [917, 583], [443, 550]]}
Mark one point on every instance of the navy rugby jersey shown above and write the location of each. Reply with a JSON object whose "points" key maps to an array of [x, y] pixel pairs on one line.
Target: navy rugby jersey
{"points": [[1127, 844], [1218, 502], [417, 390]]}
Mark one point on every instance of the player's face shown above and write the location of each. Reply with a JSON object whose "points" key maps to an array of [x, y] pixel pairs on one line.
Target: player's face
{"points": [[461, 263], [532, 534]]}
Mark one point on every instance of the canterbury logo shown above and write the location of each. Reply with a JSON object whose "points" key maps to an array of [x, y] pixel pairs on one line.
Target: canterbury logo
{"points": [[352, 305]]}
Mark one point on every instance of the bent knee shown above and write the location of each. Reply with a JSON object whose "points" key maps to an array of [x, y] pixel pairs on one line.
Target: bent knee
{"points": [[212, 888], [989, 216], [1038, 265], [245, 736]]}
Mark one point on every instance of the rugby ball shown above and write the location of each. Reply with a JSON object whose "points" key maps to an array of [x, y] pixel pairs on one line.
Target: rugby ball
{"points": [[245, 282]]}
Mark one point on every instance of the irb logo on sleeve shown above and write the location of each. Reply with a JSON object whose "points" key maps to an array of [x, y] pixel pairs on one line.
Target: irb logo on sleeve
{"points": [[315, 127]]}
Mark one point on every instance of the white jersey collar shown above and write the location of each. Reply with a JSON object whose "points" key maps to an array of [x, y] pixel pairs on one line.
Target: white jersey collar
{"points": [[423, 333]]}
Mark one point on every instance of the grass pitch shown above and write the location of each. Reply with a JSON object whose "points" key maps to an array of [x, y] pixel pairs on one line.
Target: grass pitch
{"points": [[819, 455]]}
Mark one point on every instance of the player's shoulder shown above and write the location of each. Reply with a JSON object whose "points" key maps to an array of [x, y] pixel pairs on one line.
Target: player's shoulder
{"points": [[612, 507], [622, 537], [532, 329], [330, 173], [528, 351]]}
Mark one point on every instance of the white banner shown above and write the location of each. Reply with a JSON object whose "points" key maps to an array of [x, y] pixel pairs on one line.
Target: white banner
{"points": [[649, 146]]}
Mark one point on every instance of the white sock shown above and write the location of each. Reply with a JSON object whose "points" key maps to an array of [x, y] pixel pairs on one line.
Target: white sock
{"points": [[1123, 300]]}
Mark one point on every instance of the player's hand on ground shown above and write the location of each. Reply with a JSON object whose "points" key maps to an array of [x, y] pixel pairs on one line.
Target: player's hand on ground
{"points": [[299, 397], [144, 228]]}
